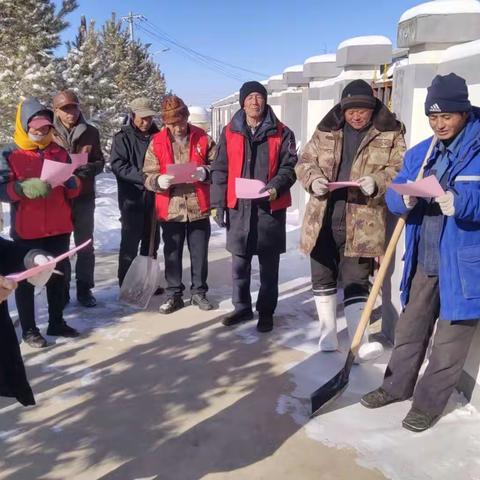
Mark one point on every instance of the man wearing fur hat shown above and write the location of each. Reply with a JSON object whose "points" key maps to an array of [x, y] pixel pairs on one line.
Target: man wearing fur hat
{"points": [[344, 230], [183, 209], [254, 145], [441, 262]]}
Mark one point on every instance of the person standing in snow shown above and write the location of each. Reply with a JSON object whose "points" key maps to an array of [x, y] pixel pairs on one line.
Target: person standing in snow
{"points": [[135, 202], [183, 209], [13, 379], [343, 231], [441, 263], [256, 145], [40, 214], [75, 135]]}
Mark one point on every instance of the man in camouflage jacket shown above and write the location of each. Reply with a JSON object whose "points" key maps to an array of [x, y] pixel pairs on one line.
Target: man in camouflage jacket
{"points": [[359, 140]]}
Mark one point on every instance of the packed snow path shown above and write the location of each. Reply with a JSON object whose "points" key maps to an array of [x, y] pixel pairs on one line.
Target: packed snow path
{"points": [[146, 396]]}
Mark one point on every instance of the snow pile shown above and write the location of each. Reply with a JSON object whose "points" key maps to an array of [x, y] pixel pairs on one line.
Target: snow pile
{"points": [[441, 7], [366, 40]]}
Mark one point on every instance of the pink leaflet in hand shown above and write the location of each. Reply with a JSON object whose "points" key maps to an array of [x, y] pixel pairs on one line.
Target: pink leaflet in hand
{"points": [[249, 188], [18, 277], [427, 187], [336, 185], [182, 172], [79, 159], [56, 173]]}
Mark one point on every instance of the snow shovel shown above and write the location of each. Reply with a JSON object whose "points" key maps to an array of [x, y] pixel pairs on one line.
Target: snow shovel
{"points": [[143, 276], [331, 390]]}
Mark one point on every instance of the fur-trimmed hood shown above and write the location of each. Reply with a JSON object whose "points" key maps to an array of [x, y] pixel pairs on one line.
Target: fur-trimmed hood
{"points": [[383, 119]]}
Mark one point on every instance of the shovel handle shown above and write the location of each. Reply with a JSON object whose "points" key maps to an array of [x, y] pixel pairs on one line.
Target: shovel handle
{"points": [[392, 245], [153, 228]]}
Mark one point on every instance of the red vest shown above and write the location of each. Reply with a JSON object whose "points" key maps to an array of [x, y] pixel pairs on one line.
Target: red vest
{"points": [[236, 153], [163, 150]]}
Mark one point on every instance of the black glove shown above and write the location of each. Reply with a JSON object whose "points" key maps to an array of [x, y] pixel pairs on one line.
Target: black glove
{"points": [[221, 217], [85, 171]]}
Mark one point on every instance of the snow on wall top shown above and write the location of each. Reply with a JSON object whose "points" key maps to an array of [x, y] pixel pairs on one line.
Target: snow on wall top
{"points": [[366, 40], [327, 57], [276, 77], [441, 7], [294, 68], [461, 51]]}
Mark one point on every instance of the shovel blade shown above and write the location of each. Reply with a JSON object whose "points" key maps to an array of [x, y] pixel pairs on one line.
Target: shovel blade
{"points": [[140, 282], [330, 391]]}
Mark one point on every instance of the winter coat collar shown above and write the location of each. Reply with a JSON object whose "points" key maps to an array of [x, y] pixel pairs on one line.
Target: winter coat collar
{"points": [[70, 137], [383, 119], [130, 129], [267, 127]]}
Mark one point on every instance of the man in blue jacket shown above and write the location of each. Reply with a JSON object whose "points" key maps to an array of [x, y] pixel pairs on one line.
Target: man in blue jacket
{"points": [[442, 260]]}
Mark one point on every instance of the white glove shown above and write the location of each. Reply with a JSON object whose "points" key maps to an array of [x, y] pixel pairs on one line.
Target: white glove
{"points": [[41, 279], [367, 185], [409, 201], [200, 174], [164, 181], [319, 186], [446, 204]]}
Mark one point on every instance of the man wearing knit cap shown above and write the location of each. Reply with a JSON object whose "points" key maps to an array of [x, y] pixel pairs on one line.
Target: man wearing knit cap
{"points": [[343, 230], [135, 203], [254, 145], [182, 208], [441, 262]]}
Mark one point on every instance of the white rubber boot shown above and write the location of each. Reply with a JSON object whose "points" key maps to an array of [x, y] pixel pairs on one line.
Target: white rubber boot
{"points": [[368, 350], [327, 316]]}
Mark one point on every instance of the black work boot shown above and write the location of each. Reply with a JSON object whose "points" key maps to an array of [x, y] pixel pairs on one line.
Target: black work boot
{"points": [[34, 339], [378, 398], [85, 296], [265, 322], [172, 305], [418, 421], [201, 301], [61, 329], [237, 316]]}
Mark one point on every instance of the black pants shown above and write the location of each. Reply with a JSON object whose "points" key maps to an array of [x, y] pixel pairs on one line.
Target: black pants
{"points": [[198, 235], [328, 262], [412, 334], [268, 293], [136, 227], [83, 209], [24, 294]]}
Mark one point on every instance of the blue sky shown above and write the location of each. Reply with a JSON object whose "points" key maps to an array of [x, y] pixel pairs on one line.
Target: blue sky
{"points": [[265, 36]]}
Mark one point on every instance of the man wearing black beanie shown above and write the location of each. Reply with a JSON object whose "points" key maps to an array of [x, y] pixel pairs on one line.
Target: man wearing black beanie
{"points": [[441, 262], [359, 141], [254, 145]]}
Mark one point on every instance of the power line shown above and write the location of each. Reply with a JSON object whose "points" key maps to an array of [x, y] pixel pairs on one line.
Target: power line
{"points": [[213, 59], [130, 18], [193, 55]]}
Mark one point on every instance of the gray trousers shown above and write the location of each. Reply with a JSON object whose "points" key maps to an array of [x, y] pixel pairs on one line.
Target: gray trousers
{"points": [[451, 342]]}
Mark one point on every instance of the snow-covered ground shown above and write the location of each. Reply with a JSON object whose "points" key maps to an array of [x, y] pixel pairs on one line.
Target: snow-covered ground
{"points": [[449, 450]]}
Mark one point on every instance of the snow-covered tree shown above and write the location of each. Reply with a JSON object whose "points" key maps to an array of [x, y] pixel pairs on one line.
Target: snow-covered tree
{"points": [[29, 34]]}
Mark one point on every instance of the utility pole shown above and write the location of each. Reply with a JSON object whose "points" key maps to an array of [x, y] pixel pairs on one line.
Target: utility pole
{"points": [[130, 19]]}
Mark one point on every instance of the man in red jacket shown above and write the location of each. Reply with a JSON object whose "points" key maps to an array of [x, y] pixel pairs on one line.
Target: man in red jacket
{"points": [[182, 208], [40, 215], [254, 145]]}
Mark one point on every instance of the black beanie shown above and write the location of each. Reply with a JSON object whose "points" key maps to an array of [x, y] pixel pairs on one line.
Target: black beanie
{"points": [[447, 94], [358, 94], [249, 87]]}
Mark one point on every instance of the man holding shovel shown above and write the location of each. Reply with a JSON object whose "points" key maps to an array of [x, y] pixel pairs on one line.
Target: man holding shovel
{"points": [[136, 204], [182, 206], [442, 259], [359, 141]]}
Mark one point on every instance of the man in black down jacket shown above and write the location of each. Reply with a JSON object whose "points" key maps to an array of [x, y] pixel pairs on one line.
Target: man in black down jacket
{"points": [[136, 204], [254, 145]]}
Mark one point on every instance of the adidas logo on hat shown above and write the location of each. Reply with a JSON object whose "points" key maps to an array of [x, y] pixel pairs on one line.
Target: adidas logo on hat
{"points": [[435, 108]]}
